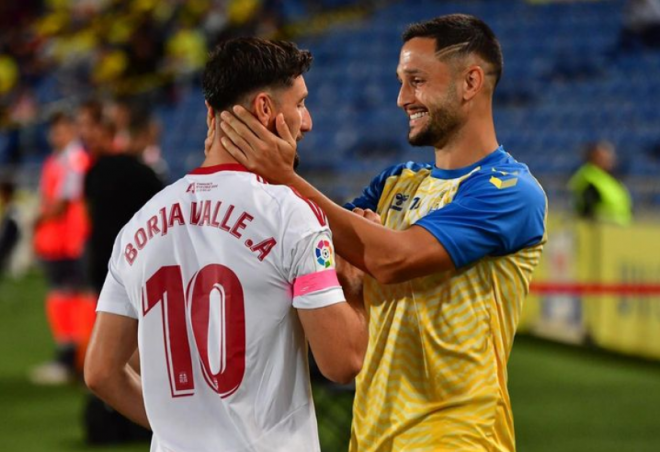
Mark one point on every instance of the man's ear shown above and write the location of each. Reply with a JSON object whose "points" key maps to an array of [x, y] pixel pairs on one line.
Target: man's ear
{"points": [[473, 81], [210, 115], [263, 108]]}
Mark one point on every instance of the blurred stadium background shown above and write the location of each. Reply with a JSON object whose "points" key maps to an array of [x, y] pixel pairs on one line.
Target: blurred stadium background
{"points": [[574, 73]]}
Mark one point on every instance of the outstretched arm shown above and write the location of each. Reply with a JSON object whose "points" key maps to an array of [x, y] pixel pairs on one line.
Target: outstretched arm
{"points": [[389, 256]]}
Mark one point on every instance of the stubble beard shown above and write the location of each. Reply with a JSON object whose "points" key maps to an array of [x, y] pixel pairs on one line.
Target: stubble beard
{"points": [[443, 123]]}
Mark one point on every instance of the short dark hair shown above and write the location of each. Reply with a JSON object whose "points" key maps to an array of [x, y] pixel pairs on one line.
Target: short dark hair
{"points": [[239, 66], [60, 117], [472, 34], [7, 188], [94, 108], [592, 148]]}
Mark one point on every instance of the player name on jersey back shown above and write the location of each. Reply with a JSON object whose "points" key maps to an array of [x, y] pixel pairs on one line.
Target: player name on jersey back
{"points": [[209, 213]]}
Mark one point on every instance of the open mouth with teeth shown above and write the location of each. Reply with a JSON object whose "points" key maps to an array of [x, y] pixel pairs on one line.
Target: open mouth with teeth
{"points": [[415, 117]]}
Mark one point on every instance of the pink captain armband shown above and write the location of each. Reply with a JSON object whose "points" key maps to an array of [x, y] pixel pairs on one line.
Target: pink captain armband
{"points": [[315, 282]]}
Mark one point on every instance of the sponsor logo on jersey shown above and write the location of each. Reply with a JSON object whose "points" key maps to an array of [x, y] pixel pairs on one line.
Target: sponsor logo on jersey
{"points": [[201, 187], [399, 199], [507, 180], [323, 253]]}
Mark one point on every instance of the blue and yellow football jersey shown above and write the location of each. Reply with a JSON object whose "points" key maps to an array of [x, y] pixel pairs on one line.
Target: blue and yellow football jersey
{"points": [[435, 377]]}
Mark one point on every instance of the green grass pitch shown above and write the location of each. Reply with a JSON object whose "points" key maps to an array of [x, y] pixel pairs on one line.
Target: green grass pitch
{"points": [[564, 399]]}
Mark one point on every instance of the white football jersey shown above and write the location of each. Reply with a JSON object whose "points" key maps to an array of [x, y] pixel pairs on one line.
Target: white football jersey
{"points": [[213, 267]]}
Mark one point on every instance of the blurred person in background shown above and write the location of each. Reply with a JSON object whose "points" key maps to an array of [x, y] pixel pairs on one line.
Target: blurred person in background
{"points": [[597, 193], [186, 50], [60, 234], [120, 114], [451, 259], [9, 224], [116, 186], [145, 144], [8, 74], [88, 116]]}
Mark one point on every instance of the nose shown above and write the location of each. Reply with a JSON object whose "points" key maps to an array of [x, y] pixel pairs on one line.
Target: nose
{"points": [[306, 124], [405, 96]]}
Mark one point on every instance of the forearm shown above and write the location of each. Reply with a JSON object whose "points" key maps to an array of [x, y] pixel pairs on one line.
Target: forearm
{"points": [[338, 338], [361, 331], [352, 283], [123, 392]]}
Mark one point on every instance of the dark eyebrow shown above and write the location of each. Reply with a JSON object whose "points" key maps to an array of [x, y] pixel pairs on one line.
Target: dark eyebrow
{"points": [[413, 72]]}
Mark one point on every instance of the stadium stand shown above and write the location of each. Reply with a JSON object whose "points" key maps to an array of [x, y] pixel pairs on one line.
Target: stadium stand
{"points": [[566, 82]]}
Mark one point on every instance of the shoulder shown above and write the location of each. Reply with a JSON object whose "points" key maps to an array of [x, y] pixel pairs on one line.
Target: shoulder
{"points": [[294, 206], [400, 168], [504, 179]]}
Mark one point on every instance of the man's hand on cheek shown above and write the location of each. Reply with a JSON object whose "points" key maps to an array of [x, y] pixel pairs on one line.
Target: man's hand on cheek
{"points": [[257, 148]]}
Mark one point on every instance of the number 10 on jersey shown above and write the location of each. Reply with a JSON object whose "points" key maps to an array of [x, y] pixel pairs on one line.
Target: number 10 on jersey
{"points": [[214, 296]]}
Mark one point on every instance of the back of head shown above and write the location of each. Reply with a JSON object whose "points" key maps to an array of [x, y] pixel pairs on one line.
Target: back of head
{"points": [[7, 190], [92, 109], [61, 131], [460, 35], [101, 137], [241, 66], [60, 118], [139, 135], [601, 154]]}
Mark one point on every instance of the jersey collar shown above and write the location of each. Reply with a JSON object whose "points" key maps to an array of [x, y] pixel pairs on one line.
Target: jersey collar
{"points": [[218, 168], [491, 158]]}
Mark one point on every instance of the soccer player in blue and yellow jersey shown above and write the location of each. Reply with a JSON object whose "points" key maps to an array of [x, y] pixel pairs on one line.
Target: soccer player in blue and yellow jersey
{"points": [[448, 268]]}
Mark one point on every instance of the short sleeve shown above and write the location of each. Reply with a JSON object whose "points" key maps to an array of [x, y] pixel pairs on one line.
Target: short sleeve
{"points": [[308, 254], [489, 217], [113, 298], [315, 283]]}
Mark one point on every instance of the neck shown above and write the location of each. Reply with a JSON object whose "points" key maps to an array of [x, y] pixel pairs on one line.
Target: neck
{"points": [[217, 154], [471, 143]]}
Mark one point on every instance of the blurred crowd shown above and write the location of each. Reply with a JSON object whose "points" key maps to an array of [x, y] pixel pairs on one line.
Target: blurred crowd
{"points": [[114, 47], [55, 52], [117, 46]]}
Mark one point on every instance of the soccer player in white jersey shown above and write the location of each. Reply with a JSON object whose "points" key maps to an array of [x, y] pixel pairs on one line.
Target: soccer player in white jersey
{"points": [[220, 279]]}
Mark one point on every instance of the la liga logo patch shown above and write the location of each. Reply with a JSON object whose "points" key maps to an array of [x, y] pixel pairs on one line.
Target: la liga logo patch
{"points": [[324, 253]]}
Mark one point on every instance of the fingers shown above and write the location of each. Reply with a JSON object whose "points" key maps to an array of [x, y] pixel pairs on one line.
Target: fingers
{"points": [[251, 122], [236, 138], [372, 216], [208, 143], [367, 214], [235, 152], [283, 130], [231, 123]]}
